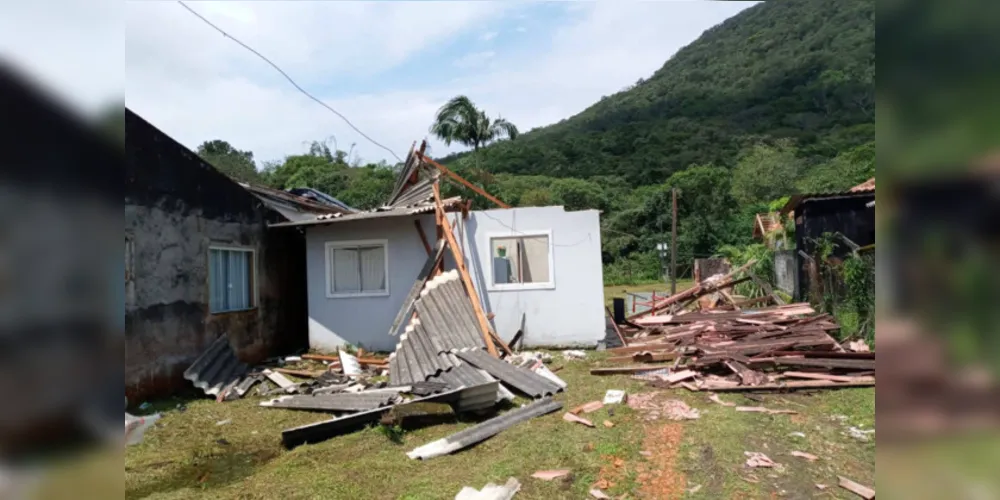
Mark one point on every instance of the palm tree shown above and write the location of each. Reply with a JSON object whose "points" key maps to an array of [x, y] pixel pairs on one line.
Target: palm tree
{"points": [[460, 121]]}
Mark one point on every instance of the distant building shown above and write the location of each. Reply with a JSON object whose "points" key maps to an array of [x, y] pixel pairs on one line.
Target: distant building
{"points": [[850, 213]]}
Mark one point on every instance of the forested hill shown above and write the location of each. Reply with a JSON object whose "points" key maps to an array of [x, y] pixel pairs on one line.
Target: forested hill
{"points": [[802, 70]]}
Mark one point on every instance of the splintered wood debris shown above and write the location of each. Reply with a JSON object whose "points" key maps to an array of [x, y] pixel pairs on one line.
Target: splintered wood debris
{"points": [[759, 461], [728, 348]]}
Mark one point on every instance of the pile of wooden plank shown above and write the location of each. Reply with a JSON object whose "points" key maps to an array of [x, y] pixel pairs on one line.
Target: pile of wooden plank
{"points": [[776, 348]]}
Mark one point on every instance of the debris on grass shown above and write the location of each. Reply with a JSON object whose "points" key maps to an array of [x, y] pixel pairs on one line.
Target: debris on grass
{"points": [[715, 399], [821, 487], [551, 475], [858, 489], [806, 456], [223, 422], [759, 461], [861, 435], [695, 490], [569, 417], [800, 435], [614, 397], [609, 424], [571, 355], [136, 427], [757, 409], [491, 491], [669, 409], [598, 494], [587, 408]]}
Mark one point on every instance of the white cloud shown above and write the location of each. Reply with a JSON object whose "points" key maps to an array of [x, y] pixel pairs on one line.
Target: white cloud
{"points": [[475, 59], [195, 85], [489, 35], [521, 29]]}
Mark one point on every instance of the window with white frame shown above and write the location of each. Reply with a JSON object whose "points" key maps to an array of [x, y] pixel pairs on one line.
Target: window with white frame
{"points": [[357, 269], [231, 279], [522, 261]]}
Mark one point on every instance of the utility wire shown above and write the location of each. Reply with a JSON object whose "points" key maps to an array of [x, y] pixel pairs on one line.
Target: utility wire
{"points": [[290, 80]]}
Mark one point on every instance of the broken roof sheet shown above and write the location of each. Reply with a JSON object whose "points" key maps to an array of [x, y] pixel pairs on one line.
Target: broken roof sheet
{"points": [[450, 205], [217, 369], [484, 431], [521, 379], [464, 399], [446, 325], [344, 402]]}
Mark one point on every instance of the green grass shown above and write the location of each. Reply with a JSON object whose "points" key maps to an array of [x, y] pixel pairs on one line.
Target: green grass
{"points": [[713, 454], [183, 457]]}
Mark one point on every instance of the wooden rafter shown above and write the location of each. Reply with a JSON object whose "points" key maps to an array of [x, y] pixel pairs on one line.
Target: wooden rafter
{"points": [[456, 252], [457, 178]]}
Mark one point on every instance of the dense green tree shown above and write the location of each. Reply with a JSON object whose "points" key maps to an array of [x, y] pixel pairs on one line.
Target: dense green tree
{"points": [[765, 172], [461, 121], [235, 163]]}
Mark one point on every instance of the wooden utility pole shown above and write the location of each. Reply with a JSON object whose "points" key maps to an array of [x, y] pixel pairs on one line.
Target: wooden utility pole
{"points": [[673, 249]]}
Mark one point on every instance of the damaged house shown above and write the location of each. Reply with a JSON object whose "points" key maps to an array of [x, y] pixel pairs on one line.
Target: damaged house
{"points": [[201, 263], [536, 271]]}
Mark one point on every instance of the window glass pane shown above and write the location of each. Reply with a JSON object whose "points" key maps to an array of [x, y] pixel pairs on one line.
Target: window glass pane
{"points": [[217, 281], [346, 270], [230, 277], [521, 260], [373, 269], [535, 259]]}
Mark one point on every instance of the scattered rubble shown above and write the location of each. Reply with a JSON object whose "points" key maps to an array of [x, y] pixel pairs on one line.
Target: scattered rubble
{"points": [[571, 418], [759, 461], [722, 347], [551, 475], [491, 491], [587, 408], [668, 409], [598, 494], [571, 355], [614, 397], [806, 456], [859, 490]]}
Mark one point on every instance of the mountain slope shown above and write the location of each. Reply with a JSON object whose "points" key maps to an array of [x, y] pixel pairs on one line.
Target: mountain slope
{"points": [[798, 69]]}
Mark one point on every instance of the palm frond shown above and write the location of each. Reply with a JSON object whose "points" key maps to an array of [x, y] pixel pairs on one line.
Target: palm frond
{"points": [[502, 128]]}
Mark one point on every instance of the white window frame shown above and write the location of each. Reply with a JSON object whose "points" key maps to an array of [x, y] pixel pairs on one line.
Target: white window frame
{"points": [[255, 283], [334, 245], [488, 265]]}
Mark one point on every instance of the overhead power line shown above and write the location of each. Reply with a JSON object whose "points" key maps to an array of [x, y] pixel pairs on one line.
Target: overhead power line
{"points": [[290, 80]]}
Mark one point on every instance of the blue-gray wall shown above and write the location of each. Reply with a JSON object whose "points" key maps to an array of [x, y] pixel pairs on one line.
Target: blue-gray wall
{"points": [[570, 314], [363, 321]]}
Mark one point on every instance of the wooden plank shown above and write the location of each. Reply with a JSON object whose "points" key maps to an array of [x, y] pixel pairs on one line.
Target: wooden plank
{"points": [[766, 287], [823, 376], [423, 237], [790, 386], [844, 364], [318, 357], [625, 370], [859, 490], [618, 331], [680, 376], [641, 348], [456, 252], [411, 298], [462, 181], [658, 357], [298, 373]]}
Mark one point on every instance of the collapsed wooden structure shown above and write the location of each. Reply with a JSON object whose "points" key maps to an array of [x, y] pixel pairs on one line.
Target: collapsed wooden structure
{"points": [[722, 347]]}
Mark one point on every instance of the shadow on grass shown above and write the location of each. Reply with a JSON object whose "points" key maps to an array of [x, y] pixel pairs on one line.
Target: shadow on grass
{"points": [[214, 469]]}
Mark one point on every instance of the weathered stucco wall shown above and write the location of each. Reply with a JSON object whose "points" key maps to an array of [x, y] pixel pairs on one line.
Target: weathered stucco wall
{"points": [[176, 207], [363, 321]]}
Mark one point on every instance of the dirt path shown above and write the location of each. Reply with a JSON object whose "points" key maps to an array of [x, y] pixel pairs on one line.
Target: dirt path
{"points": [[658, 477]]}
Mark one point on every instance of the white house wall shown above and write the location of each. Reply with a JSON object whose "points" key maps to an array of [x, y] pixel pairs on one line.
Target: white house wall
{"points": [[569, 314], [363, 321]]}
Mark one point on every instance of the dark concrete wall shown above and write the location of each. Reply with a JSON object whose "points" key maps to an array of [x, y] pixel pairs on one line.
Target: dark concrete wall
{"points": [[176, 208]]}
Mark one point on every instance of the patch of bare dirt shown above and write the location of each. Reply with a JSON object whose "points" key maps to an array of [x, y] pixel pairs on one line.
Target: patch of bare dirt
{"points": [[658, 477]]}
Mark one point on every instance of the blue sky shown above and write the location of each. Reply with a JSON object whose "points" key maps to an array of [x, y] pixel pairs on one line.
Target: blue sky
{"points": [[388, 66]]}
